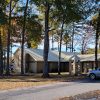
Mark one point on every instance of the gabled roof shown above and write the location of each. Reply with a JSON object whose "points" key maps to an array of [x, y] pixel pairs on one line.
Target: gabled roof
{"points": [[53, 56], [37, 54], [75, 58]]}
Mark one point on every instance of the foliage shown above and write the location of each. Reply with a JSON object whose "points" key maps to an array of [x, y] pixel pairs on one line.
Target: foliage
{"points": [[4, 29], [93, 22], [66, 38], [33, 27], [91, 51]]}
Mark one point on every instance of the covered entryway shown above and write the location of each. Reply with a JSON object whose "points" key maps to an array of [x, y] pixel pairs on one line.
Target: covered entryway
{"points": [[74, 65]]}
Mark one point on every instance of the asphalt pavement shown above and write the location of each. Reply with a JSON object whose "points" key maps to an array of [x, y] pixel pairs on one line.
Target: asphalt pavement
{"points": [[51, 91]]}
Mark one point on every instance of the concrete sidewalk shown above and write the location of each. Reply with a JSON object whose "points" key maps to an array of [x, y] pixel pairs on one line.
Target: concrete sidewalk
{"points": [[50, 92]]}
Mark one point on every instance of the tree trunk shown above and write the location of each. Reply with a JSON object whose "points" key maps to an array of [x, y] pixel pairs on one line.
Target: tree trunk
{"points": [[66, 46], [28, 44], [23, 34], [8, 41], [82, 52], [96, 41], [4, 59], [59, 64], [46, 42], [58, 45], [73, 38], [70, 47], [1, 56], [52, 42]]}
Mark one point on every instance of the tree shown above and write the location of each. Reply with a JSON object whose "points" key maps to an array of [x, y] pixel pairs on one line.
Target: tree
{"points": [[66, 39], [24, 28], [33, 31], [23, 32], [8, 38], [96, 9], [46, 40], [96, 39], [2, 22], [84, 34], [69, 12], [9, 6], [58, 9], [1, 56], [3, 44], [45, 6]]}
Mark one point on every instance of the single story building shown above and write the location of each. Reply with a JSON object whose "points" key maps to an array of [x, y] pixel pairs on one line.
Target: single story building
{"points": [[33, 60]]}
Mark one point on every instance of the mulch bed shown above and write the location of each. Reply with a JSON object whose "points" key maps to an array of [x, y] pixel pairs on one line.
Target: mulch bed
{"points": [[92, 95]]}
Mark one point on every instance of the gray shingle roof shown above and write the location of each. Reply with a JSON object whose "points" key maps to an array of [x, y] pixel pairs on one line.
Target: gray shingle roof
{"points": [[37, 54], [88, 57]]}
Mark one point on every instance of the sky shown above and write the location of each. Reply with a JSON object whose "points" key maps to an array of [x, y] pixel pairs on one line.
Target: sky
{"points": [[40, 46]]}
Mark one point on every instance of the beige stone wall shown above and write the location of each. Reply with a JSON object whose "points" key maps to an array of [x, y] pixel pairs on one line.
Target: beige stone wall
{"points": [[17, 61], [32, 67], [40, 65], [30, 64]]}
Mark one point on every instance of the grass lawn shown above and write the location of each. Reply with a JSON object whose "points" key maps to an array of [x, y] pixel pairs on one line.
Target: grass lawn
{"points": [[16, 81]]}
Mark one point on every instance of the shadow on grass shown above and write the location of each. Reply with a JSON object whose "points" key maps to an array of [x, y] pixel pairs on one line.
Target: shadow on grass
{"points": [[19, 78], [64, 77]]}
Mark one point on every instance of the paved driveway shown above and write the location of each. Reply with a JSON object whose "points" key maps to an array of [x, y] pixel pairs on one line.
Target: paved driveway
{"points": [[52, 91]]}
